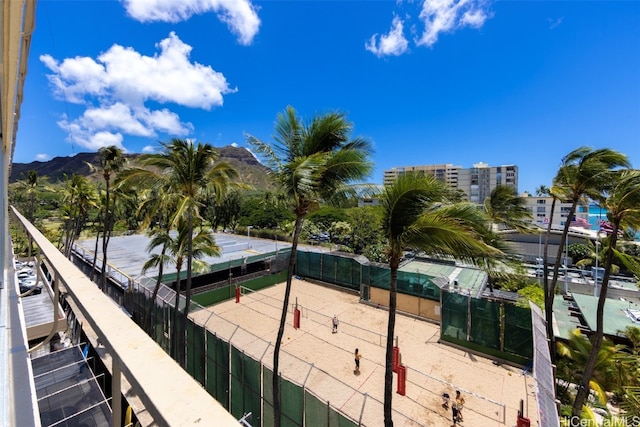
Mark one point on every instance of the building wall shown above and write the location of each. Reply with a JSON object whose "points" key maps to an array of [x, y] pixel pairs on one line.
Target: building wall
{"points": [[540, 208], [476, 182], [407, 303]]}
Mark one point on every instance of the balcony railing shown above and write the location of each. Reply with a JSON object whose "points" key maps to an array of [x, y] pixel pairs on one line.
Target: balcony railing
{"points": [[168, 393]]}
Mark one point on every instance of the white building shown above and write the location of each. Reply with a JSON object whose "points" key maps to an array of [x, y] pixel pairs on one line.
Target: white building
{"points": [[540, 208], [476, 182]]}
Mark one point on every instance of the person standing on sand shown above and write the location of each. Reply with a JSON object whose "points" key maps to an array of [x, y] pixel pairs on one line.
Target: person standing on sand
{"points": [[454, 413], [357, 359], [335, 324], [460, 404]]}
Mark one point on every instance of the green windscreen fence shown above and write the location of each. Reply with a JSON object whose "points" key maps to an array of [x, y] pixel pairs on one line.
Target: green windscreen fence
{"points": [[485, 321], [496, 328], [217, 378], [239, 382], [267, 397], [350, 272], [225, 293], [518, 330], [454, 321], [292, 410], [195, 351], [317, 410], [245, 386], [420, 285], [379, 277], [339, 270], [320, 414]]}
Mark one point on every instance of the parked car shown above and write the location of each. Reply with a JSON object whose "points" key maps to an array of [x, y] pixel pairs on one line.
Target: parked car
{"points": [[25, 274], [28, 286]]}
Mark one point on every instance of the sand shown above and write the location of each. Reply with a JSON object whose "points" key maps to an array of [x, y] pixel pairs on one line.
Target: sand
{"points": [[323, 361]]}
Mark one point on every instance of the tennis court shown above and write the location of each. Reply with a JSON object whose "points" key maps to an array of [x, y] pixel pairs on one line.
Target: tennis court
{"points": [[322, 362]]}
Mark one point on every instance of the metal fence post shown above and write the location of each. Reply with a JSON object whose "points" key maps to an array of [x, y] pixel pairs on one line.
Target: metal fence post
{"points": [[362, 410]]}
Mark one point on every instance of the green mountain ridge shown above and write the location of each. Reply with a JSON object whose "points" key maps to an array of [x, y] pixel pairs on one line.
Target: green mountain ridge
{"points": [[250, 170]]}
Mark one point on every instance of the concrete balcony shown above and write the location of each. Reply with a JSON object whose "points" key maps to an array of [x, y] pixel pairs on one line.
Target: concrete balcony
{"points": [[169, 394]]}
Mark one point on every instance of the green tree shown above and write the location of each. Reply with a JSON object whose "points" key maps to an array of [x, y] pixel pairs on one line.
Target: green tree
{"points": [[160, 234], [111, 161], [578, 251], [311, 163], [534, 293], [542, 191], [327, 215], [31, 189], [633, 333], [590, 259], [505, 208], [78, 196], [621, 198], [575, 353], [416, 216], [366, 223], [183, 246], [185, 175], [583, 173], [226, 213]]}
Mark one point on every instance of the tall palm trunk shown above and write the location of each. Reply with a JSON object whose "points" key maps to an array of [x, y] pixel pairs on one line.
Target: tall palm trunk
{"points": [[175, 342], [277, 411], [103, 270], [596, 339], [67, 237], [183, 326], [95, 256], [394, 263], [147, 315], [549, 290]]}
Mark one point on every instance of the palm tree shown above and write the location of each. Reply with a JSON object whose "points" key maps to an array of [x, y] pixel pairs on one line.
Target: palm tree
{"points": [[576, 352], [557, 193], [623, 204], [543, 190], [583, 173], [505, 207], [186, 175], [193, 248], [416, 217], [111, 160], [31, 185], [78, 197], [311, 163], [159, 237], [590, 260]]}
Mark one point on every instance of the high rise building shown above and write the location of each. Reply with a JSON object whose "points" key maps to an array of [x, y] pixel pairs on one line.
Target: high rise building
{"points": [[476, 182]]}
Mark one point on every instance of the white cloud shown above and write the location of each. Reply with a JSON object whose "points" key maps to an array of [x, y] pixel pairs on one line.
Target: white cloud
{"points": [[116, 86], [474, 18], [441, 16], [437, 17], [149, 149], [234, 144], [90, 138], [240, 15], [116, 116], [393, 43], [555, 23], [105, 139], [42, 157]]}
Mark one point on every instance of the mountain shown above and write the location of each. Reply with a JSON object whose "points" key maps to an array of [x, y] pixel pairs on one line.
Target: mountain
{"points": [[250, 170]]}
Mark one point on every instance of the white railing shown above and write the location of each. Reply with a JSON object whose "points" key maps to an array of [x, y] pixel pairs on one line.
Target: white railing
{"points": [[168, 392]]}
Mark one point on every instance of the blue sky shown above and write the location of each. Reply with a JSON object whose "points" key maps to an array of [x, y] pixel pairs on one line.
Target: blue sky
{"points": [[428, 81]]}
